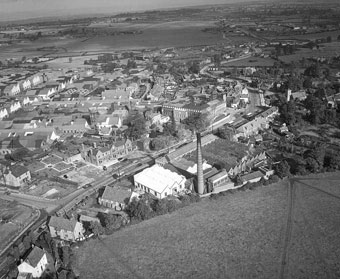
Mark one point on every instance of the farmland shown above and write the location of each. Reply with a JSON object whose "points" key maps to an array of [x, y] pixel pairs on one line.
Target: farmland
{"points": [[237, 236]]}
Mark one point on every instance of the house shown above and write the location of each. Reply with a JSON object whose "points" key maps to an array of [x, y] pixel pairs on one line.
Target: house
{"points": [[101, 156], [12, 90], [35, 263], [75, 127], [26, 84], [298, 95], [105, 123], [115, 197], [252, 177], [159, 182], [69, 230], [157, 118], [3, 113], [16, 176], [14, 107]]}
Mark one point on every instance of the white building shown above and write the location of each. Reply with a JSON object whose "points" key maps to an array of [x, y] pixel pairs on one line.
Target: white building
{"points": [[26, 84], [3, 113], [159, 181], [35, 263], [14, 107]]}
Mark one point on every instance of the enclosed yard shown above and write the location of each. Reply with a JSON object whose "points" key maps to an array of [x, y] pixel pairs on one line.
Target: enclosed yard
{"points": [[221, 152], [266, 233]]}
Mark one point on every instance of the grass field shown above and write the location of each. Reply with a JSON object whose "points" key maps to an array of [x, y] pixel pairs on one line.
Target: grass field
{"points": [[251, 62], [221, 152], [325, 50], [12, 216], [243, 235]]}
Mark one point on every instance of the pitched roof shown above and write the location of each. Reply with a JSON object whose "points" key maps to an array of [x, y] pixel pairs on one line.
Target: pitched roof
{"points": [[62, 223], [252, 175], [18, 170], [35, 256], [116, 194], [158, 178]]}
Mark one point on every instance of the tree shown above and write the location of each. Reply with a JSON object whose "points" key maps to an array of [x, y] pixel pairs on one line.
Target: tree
{"points": [[282, 169], [131, 64], [27, 241], [113, 222], [160, 142], [196, 122], [194, 67], [96, 228], [334, 162], [136, 126], [312, 165], [139, 209], [66, 255]]}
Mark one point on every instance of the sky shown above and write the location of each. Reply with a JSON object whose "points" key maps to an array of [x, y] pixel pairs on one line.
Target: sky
{"points": [[24, 9]]}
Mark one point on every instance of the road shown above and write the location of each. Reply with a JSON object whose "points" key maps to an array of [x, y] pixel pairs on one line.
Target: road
{"points": [[203, 71]]}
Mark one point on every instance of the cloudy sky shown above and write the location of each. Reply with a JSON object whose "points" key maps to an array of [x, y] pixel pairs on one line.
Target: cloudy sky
{"points": [[23, 9]]}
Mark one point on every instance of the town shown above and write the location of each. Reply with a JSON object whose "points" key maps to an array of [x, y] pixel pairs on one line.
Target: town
{"points": [[97, 141]]}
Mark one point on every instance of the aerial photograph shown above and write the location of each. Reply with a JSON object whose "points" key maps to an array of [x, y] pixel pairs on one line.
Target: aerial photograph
{"points": [[169, 139]]}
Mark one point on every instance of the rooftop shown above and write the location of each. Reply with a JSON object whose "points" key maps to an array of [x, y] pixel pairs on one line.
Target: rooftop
{"points": [[62, 223], [158, 179], [35, 256], [116, 194]]}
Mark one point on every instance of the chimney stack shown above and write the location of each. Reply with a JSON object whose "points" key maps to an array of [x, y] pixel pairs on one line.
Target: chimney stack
{"points": [[200, 182]]}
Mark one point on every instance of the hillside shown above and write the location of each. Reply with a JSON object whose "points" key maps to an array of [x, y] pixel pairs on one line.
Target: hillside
{"points": [[244, 235]]}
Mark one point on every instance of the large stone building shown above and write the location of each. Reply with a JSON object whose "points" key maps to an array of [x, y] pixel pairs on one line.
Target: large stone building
{"points": [[102, 156]]}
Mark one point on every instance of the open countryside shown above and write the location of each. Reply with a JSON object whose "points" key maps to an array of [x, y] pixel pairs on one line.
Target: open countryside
{"points": [[231, 237]]}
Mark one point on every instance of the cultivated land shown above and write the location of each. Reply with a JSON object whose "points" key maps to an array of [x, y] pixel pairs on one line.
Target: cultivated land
{"points": [[244, 235]]}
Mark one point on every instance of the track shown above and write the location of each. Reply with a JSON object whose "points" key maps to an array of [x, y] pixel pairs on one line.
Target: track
{"points": [[314, 243], [317, 189], [288, 232]]}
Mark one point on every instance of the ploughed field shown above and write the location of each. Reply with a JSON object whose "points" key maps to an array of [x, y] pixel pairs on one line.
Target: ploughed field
{"points": [[275, 231]]}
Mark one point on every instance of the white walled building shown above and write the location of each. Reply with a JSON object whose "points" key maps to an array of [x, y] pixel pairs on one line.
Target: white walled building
{"points": [[35, 263], [159, 181]]}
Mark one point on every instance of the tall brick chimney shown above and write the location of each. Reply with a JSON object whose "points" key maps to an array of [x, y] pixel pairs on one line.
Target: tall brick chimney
{"points": [[200, 182]]}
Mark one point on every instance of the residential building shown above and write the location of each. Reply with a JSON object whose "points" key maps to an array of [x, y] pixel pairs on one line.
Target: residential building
{"points": [[16, 176], [101, 156], [115, 197], [76, 127], [69, 230], [105, 123], [159, 182], [35, 263]]}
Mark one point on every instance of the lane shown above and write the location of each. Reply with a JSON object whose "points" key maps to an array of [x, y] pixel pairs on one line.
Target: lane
{"points": [[288, 232]]}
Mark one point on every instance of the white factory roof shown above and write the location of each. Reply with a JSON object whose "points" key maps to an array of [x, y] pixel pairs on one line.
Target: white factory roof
{"points": [[158, 179]]}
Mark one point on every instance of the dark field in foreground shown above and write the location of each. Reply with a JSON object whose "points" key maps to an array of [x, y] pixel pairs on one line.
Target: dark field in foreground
{"points": [[237, 236]]}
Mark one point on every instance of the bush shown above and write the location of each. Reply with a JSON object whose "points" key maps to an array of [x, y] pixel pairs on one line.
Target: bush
{"points": [[274, 179], [214, 196], [172, 205], [185, 199], [194, 198]]}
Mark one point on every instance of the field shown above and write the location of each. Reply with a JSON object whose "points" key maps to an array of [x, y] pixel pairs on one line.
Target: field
{"points": [[251, 62], [271, 232], [165, 34], [325, 50], [12, 217], [221, 152]]}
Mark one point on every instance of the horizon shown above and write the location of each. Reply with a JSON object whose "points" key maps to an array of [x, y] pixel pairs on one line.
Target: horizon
{"points": [[20, 10]]}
